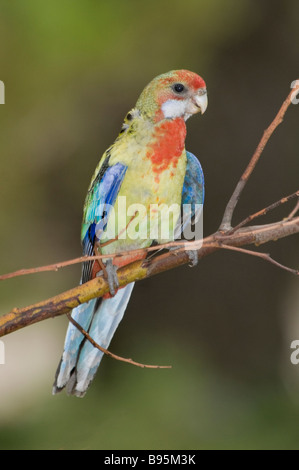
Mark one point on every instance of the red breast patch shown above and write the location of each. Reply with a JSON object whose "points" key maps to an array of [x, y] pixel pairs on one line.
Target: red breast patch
{"points": [[168, 144]]}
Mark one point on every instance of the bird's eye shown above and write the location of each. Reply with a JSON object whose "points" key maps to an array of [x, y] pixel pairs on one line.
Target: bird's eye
{"points": [[178, 87]]}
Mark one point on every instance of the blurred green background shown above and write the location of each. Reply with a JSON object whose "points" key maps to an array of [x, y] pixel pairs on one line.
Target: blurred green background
{"points": [[72, 70]]}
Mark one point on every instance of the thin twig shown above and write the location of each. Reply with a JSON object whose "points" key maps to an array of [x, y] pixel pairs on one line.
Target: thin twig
{"points": [[294, 211], [108, 353], [50, 267], [267, 209], [229, 210], [258, 254], [83, 259]]}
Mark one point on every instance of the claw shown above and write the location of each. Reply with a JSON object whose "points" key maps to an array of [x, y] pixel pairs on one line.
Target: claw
{"points": [[111, 272], [193, 257]]}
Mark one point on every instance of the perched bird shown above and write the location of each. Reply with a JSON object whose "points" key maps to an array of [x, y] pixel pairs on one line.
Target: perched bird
{"points": [[147, 166]]}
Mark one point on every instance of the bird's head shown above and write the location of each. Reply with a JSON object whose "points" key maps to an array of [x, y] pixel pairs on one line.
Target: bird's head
{"points": [[176, 94]]}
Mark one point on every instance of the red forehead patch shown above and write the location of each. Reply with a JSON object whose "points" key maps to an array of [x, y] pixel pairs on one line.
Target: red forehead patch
{"points": [[193, 80]]}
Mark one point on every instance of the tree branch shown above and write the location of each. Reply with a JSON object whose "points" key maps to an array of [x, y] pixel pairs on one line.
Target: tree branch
{"points": [[65, 302]]}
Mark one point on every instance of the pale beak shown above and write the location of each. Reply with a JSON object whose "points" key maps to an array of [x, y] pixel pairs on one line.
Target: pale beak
{"points": [[201, 100]]}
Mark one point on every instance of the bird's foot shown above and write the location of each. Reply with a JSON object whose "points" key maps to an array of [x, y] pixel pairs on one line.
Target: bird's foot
{"points": [[193, 257], [111, 277]]}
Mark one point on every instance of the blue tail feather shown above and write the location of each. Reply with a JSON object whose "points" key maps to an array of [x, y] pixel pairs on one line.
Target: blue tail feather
{"points": [[80, 359]]}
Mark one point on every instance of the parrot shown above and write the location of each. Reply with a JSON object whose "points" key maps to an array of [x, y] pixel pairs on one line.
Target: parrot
{"points": [[146, 166]]}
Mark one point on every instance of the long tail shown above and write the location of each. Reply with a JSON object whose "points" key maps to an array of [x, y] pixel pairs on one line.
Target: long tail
{"points": [[80, 358]]}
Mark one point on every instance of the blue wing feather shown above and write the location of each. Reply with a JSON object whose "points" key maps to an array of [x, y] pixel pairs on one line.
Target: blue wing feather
{"points": [[99, 203], [101, 198], [193, 194], [193, 188]]}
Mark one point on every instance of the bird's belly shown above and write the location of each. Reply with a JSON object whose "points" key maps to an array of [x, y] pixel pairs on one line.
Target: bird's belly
{"points": [[147, 208]]}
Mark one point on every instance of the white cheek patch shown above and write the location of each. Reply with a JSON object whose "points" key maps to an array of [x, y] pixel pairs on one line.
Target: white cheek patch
{"points": [[174, 108]]}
